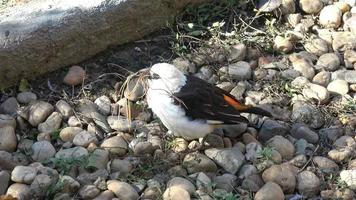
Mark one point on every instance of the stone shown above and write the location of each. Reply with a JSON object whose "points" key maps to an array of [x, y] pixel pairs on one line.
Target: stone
{"points": [[75, 152], [350, 76], [338, 87], [4, 181], [184, 65], [343, 41], [40, 185], [330, 16], [74, 76], [287, 7], [300, 82], [120, 123], [282, 145], [350, 58], [52, 123], [213, 141], [308, 184], [345, 141], [98, 177], [283, 45], [105, 195], [122, 166], [84, 138], [282, 175], [271, 128], [322, 78], [349, 176], [203, 182], [122, 190], [344, 7], [98, 159], [329, 62], [197, 162], [182, 183], [179, 145], [64, 108], [240, 70], [270, 191], [340, 155], [227, 86], [253, 150], [176, 193], [38, 111], [308, 114], [70, 185], [104, 104], [229, 159], [300, 131], [7, 161], [10, 106], [26, 97], [23, 174], [8, 140], [42, 151], [346, 194], [177, 171], [303, 66], [226, 182], [325, 164], [7, 120], [142, 148], [89, 191], [74, 122], [298, 161], [294, 19], [237, 52], [67, 134], [311, 6], [316, 92], [115, 145], [350, 22], [317, 46], [19, 191]]}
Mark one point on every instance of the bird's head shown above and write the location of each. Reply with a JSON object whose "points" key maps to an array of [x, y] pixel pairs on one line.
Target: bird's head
{"points": [[165, 76]]}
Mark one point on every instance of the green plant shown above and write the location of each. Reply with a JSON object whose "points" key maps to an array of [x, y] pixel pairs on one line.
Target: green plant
{"points": [[265, 154], [65, 164], [223, 195]]}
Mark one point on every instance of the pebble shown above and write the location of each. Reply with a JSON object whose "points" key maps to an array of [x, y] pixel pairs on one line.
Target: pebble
{"points": [[308, 184], [329, 62], [338, 87], [317, 46], [270, 128], [105, 195], [89, 191], [197, 162], [40, 184], [300, 82], [287, 7], [298, 161], [345, 141], [176, 193], [349, 176], [281, 175], [4, 181], [23, 174], [350, 58], [52, 123], [311, 6], [74, 122], [120, 123], [182, 183], [350, 76], [316, 92], [340, 155], [98, 159], [38, 112], [7, 120], [308, 114], [26, 97], [122, 190], [19, 191], [184, 65], [240, 70], [134, 90], [246, 170], [237, 52], [203, 183], [124, 167], [10, 106], [84, 138], [252, 151], [229, 159], [67, 134], [115, 145], [343, 41], [70, 185], [64, 108], [300, 131], [283, 45], [282, 145], [345, 194], [74, 76], [142, 148], [104, 104], [8, 140], [75, 152], [330, 16], [42, 151], [252, 183], [294, 19], [226, 182], [322, 78], [303, 66], [270, 191], [325, 164], [179, 145]]}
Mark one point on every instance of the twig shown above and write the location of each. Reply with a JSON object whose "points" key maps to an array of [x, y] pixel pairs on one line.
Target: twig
{"points": [[311, 157]]}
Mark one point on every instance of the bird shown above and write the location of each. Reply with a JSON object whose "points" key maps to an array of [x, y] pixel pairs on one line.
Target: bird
{"points": [[190, 107]]}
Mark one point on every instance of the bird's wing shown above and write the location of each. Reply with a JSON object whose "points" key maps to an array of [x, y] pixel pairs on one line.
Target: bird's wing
{"points": [[204, 101]]}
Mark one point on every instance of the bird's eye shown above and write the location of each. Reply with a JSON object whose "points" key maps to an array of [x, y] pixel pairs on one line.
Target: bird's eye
{"points": [[154, 76]]}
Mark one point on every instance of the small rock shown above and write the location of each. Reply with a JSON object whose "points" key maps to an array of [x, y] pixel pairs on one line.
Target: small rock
{"points": [[84, 138], [52, 123], [345, 141], [176, 193], [19, 191], [89, 192], [325, 164], [64, 108], [4, 181], [350, 76], [253, 150], [69, 184], [300, 131], [350, 59], [197, 162], [237, 52], [282, 145], [349, 176], [74, 122], [75, 152], [340, 155], [344, 7], [240, 70], [105, 195], [115, 145], [307, 114], [282, 44], [98, 159], [338, 87], [134, 90], [229, 159], [303, 66], [300, 82], [294, 19], [282, 175], [343, 41], [184, 65], [345, 194], [122, 190], [311, 6], [203, 183], [120, 123], [271, 128], [179, 145], [317, 92], [308, 184], [67, 134], [122, 166], [182, 183], [299, 160], [142, 148], [270, 191], [317, 46], [74, 76], [104, 104], [7, 120], [40, 184], [26, 97], [322, 78], [10, 106], [252, 183], [234, 130], [23, 174], [287, 7], [213, 141], [226, 182], [268, 5], [300, 146], [329, 62], [38, 111], [8, 140], [330, 16], [42, 151]]}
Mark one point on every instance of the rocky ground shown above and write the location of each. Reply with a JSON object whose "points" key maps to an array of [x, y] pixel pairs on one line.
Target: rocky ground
{"points": [[67, 136]]}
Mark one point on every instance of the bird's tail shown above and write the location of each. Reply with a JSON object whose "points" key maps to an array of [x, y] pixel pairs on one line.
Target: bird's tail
{"points": [[257, 110]]}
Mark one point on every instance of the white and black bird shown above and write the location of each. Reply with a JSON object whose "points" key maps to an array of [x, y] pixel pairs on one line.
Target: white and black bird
{"points": [[190, 107]]}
